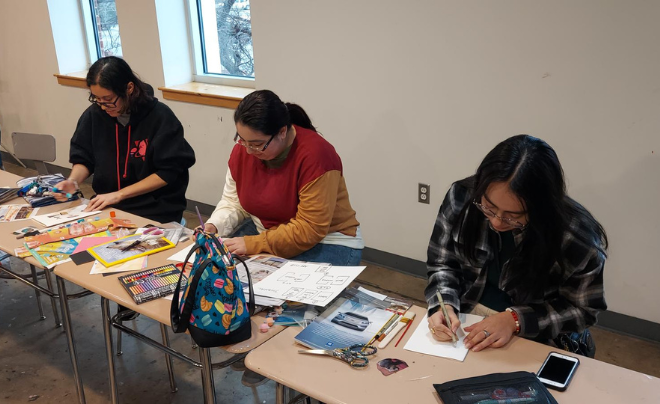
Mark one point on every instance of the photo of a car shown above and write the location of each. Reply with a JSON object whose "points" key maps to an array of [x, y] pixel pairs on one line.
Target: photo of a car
{"points": [[352, 321]]}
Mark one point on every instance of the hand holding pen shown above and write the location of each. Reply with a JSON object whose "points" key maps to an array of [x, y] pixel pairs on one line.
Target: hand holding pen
{"points": [[443, 328], [64, 190]]}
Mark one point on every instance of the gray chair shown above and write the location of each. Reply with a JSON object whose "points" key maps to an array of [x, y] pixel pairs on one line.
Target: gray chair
{"points": [[38, 148]]}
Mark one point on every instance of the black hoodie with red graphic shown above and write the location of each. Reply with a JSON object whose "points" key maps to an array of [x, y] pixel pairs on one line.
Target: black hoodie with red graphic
{"points": [[119, 156]]}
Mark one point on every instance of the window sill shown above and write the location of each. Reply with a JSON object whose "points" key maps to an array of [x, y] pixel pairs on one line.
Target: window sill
{"points": [[206, 94], [77, 79]]}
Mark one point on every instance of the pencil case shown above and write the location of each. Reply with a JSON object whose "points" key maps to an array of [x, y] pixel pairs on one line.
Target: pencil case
{"points": [[496, 388]]}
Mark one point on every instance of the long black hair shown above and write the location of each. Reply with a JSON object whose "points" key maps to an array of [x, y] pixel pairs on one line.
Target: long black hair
{"points": [[533, 172], [113, 73], [263, 111]]}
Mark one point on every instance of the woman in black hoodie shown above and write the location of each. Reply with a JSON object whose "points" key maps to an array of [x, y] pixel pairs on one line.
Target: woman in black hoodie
{"points": [[132, 143]]}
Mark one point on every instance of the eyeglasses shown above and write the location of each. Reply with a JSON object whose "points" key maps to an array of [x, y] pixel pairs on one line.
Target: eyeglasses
{"points": [[490, 214], [92, 98], [239, 140]]}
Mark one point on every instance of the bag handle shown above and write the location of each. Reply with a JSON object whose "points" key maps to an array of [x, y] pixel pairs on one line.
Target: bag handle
{"points": [[175, 316], [251, 305]]}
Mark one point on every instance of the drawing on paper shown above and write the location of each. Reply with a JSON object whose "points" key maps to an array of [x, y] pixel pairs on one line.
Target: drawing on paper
{"points": [[292, 292]]}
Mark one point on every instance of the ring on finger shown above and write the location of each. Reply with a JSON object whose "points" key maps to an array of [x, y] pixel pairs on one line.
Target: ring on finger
{"points": [[487, 333], [432, 330]]}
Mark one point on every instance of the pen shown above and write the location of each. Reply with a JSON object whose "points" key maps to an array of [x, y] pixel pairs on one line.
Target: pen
{"points": [[444, 313], [59, 191]]}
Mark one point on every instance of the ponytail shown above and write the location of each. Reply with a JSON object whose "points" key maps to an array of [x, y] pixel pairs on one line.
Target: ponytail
{"points": [[298, 116], [264, 111]]}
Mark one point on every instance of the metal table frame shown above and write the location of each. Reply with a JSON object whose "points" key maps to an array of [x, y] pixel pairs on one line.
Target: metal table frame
{"points": [[109, 322], [38, 290]]}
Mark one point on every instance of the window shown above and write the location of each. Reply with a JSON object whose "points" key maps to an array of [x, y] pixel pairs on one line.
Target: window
{"points": [[102, 28], [221, 33]]}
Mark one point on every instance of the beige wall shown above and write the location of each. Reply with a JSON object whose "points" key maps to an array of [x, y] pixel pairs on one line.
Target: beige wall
{"points": [[414, 92]]}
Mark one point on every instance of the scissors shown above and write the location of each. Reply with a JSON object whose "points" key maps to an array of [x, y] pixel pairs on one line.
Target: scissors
{"points": [[354, 355], [152, 233]]}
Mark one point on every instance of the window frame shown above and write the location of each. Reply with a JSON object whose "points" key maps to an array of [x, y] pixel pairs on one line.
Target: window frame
{"points": [[90, 31], [199, 54]]}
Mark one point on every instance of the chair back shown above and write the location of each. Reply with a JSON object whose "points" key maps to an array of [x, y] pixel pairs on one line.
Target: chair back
{"points": [[35, 147]]}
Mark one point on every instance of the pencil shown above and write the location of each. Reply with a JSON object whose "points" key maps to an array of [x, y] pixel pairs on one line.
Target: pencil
{"points": [[404, 332], [446, 316]]}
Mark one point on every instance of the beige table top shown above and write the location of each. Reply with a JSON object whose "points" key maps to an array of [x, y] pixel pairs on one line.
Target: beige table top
{"points": [[8, 241], [108, 286], [159, 309], [333, 381]]}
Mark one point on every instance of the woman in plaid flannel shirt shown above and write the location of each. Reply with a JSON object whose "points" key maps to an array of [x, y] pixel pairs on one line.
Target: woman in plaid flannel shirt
{"points": [[509, 243]]}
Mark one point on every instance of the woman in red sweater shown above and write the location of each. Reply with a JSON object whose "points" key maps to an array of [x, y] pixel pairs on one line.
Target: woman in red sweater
{"points": [[285, 192]]}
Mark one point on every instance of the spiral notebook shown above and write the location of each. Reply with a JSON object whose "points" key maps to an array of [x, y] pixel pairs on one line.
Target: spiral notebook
{"points": [[151, 284]]}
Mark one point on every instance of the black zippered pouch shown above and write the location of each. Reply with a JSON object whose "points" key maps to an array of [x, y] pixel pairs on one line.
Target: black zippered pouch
{"points": [[514, 388]]}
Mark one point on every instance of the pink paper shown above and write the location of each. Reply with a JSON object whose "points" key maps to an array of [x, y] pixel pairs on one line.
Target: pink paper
{"points": [[89, 242]]}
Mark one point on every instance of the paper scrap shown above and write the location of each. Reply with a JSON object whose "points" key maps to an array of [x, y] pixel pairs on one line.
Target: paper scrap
{"points": [[89, 242], [63, 216], [181, 255], [132, 265], [372, 293]]}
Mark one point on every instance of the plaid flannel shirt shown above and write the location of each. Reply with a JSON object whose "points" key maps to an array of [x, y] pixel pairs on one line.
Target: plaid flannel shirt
{"points": [[570, 303]]}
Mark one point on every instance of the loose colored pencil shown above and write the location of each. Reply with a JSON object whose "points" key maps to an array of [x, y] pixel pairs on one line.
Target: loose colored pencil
{"points": [[404, 332]]}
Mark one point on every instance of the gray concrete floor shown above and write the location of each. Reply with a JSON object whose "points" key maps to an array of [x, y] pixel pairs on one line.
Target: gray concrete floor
{"points": [[35, 365]]}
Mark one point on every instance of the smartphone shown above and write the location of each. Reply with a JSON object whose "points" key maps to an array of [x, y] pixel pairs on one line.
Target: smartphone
{"points": [[557, 370]]}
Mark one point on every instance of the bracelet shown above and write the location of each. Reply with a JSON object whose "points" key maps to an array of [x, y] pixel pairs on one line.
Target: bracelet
{"points": [[515, 318], [75, 183]]}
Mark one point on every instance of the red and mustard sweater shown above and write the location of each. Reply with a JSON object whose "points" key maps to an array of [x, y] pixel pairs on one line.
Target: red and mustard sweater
{"points": [[296, 205]]}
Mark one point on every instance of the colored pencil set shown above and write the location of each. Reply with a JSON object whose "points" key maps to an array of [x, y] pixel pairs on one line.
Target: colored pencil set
{"points": [[151, 284]]}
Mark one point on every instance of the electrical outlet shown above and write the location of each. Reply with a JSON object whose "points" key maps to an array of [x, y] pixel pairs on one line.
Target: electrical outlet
{"points": [[424, 193]]}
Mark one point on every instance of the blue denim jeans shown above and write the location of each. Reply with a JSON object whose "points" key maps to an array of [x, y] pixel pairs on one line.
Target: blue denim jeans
{"points": [[338, 255]]}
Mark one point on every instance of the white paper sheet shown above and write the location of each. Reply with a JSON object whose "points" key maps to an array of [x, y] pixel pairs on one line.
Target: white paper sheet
{"points": [[257, 269], [422, 340], [63, 216], [181, 255], [307, 283], [132, 265], [372, 293]]}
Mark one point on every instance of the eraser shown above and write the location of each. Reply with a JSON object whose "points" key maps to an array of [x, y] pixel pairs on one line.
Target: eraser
{"points": [[270, 321], [263, 327], [112, 213]]}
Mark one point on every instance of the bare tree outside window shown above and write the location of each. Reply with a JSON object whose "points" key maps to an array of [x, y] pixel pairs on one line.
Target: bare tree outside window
{"points": [[108, 41], [227, 37]]}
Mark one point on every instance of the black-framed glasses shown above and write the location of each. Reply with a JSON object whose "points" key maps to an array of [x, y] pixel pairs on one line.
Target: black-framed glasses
{"points": [[490, 214], [92, 98], [239, 140]]}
